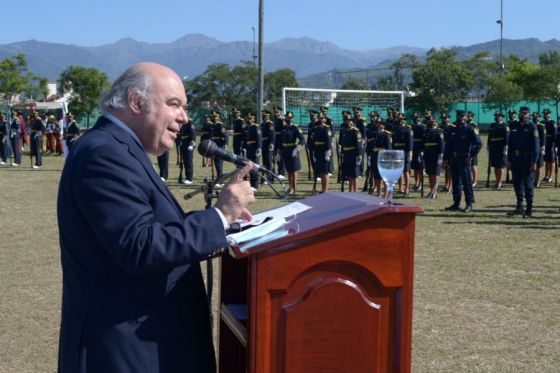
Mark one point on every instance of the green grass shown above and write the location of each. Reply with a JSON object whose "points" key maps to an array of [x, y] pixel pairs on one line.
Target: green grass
{"points": [[487, 286]]}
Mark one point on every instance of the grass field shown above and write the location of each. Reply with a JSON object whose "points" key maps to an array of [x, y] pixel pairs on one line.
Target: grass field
{"points": [[487, 286]]}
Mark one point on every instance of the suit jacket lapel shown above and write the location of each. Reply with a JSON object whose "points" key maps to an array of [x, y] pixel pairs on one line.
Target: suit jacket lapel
{"points": [[137, 152]]}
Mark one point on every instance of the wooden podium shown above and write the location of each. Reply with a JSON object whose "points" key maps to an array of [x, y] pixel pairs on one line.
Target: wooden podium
{"points": [[335, 295]]}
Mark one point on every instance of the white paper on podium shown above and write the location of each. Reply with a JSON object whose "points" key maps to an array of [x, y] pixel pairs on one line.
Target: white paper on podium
{"points": [[272, 229], [281, 212]]}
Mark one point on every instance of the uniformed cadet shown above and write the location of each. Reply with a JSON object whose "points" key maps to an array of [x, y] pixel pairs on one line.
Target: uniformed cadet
{"points": [[291, 140], [15, 134], [542, 144], [432, 152], [523, 152], [350, 142], [206, 134], [360, 123], [549, 148], [402, 140], [447, 126], [498, 136], [220, 137], [474, 159], [163, 165], [314, 121], [377, 139], [4, 140], [329, 123], [239, 127], [278, 127], [253, 146], [370, 133], [37, 132], [187, 145], [511, 120], [72, 132], [459, 150], [268, 140], [391, 119], [322, 144], [417, 163]]}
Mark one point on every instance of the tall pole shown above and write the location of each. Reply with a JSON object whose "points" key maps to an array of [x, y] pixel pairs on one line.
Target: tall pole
{"points": [[255, 64], [260, 95], [501, 36]]}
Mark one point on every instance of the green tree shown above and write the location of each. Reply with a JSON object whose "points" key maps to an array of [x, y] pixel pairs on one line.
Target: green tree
{"points": [[502, 94], [16, 79], [275, 81], [482, 67], [440, 82], [221, 87], [550, 65], [401, 75], [85, 86]]}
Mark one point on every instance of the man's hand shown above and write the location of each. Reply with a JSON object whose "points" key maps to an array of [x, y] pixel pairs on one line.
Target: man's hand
{"points": [[236, 196]]}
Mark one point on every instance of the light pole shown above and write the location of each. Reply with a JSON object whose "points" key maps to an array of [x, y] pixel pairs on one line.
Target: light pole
{"points": [[501, 23], [260, 59], [254, 56]]}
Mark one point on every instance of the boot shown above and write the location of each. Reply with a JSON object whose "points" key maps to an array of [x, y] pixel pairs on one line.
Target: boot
{"points": [[529, 211], [518, 210], [453, 207], [468, 208]]}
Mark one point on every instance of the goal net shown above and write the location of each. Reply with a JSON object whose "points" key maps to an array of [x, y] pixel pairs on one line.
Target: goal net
{"points": [[301, 100]]}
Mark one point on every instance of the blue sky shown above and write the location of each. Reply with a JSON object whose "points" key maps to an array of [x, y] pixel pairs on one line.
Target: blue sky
{"points": [[351, 24]]}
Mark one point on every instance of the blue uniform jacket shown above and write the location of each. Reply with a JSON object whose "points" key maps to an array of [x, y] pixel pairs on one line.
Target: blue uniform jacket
{"points": [[133, 297]]}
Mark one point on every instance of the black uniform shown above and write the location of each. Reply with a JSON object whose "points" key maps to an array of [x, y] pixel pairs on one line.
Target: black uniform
{"points": [[542, 142], [310, 126], [322, 143], [268, 140], [417, 145], [360, 123], [376, 141], [188, 138], [278, 127], [220, 137], [350, 141], [239, 128], [4, 141], [549, 147], [432, 146], [163, 165], [523, 152], [253, 145], [37, 131], [478, 140], [72, 133], [15, 134], [498, 136], [462, 144], [291, 137], [402, 140]]}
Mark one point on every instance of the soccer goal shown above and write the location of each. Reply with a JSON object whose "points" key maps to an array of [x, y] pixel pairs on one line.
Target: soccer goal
{"points": [[301, 100]]}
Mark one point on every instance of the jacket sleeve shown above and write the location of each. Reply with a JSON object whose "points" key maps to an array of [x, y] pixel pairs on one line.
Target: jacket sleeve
{"points": [[135, 223]]}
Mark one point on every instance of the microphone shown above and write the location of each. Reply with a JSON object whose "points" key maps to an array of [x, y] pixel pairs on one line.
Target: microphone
{"points": [[210, 149]]}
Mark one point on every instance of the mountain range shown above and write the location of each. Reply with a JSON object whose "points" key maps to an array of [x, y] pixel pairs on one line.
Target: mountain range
{"points": [[191, 54]]}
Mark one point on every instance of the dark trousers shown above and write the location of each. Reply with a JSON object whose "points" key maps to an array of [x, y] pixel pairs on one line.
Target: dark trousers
{"points": [[219, 164], [461, 176], [188, 163], [268, 158], [4, 149], [253, 177], [36, 145], [523, 180], [163, 164], [16, 149], [281, 168]]}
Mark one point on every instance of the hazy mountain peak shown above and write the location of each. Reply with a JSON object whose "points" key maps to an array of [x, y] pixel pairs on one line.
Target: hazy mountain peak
{"points": [[197, 40]]}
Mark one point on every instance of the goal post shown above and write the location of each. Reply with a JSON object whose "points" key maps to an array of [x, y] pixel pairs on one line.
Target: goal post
{"points": [[301, 100]]}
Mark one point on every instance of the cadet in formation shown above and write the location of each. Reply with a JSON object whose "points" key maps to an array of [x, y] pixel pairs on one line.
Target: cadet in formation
{"points": [[432, 154], [278, 127], [417, 163], [549, 147], [459, 150], [446, 127], [322, 143], [220, 137], [350, 143], [377, 139], [37, 132], [542, 142], [290, 141], [474, 158], [253, 145], [498, 136], [268, 140], [523, 153], [239, 127], [187, 145], [402, 140]]}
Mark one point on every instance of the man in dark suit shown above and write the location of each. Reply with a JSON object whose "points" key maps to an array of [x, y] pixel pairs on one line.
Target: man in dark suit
{"points": [[133, 296]]}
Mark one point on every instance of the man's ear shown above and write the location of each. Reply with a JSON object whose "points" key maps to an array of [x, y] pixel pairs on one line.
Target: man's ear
{"points": [[135, 102]]}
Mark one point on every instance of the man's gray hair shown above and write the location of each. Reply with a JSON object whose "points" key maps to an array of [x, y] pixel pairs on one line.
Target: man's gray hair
{"points": [[133, 81]]}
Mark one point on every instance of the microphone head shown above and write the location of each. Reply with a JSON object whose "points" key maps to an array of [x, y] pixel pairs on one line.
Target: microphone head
{"points": [[207, 148]]}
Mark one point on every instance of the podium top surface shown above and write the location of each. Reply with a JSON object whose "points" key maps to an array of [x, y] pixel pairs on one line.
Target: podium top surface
{"points": [[329, 211]]}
